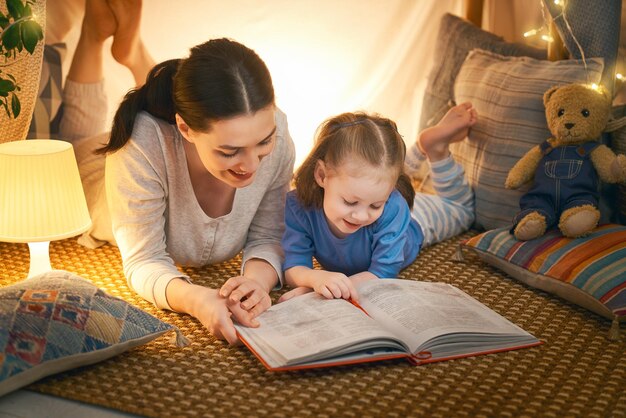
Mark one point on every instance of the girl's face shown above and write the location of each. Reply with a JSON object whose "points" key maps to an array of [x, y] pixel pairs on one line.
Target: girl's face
{"points": [[354, 195], [233, 149]]}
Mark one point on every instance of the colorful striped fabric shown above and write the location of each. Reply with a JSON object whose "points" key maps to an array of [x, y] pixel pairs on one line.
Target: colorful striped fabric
{"points": [[595, 264]]}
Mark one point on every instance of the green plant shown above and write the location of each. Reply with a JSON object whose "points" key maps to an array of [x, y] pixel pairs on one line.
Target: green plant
{"points": [[20, 31]]}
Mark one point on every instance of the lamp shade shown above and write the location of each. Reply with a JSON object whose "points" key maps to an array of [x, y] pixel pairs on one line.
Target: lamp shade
{"points": [[41, 194]]}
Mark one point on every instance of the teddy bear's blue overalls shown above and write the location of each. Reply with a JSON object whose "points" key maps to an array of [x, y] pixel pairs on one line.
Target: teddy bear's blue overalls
{"points": [[565, 178]]}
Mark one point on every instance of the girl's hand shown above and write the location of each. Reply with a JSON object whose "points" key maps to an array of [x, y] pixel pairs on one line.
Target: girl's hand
{"points": [[333, 285], [246, 294], [293, 293]]}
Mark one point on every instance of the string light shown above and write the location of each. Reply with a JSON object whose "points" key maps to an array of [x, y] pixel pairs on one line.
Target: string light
{"points": [[619, 76], [531, 32], [545, 33]]}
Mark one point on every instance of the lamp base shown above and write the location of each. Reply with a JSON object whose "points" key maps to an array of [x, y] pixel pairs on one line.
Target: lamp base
{"points": [[39, 258]]}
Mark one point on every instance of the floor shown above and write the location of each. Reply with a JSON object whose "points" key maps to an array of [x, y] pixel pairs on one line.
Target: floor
{"points": [[27, 404]]}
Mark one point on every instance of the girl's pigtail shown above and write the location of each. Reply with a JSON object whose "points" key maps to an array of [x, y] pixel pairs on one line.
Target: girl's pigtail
{"points": [[405, 187]]}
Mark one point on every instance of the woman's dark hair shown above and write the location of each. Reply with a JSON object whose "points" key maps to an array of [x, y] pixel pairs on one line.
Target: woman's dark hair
{"points": [[220, 79], [366, 137]]}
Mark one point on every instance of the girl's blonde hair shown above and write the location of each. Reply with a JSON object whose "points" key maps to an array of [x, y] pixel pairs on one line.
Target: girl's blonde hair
{"points": [[369, 137]]}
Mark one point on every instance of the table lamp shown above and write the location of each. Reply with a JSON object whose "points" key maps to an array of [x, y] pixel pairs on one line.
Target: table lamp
{"points": [[41, 197]]}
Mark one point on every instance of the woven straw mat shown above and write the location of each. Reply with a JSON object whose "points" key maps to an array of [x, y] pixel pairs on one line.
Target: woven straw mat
{"points": [[577, 372]]}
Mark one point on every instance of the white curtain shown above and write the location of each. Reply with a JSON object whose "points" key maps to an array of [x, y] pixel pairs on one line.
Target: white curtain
{"points": [[325, 56]]}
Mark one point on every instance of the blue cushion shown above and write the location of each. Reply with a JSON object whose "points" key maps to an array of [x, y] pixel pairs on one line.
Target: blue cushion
{"points": [[57, 321]]}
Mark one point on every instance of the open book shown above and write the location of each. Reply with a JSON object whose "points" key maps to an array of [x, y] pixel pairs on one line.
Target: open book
{"points": [[422, 321]]}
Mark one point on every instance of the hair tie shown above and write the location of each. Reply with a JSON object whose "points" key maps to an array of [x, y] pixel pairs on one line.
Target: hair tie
{"points": [[351, 123]]}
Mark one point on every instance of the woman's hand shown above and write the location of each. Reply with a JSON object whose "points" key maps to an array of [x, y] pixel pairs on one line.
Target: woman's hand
{"points": [[248, 295], [213, 312]]}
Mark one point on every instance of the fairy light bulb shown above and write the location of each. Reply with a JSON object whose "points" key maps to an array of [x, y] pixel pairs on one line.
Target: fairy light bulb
{"points": [[530, 33]]}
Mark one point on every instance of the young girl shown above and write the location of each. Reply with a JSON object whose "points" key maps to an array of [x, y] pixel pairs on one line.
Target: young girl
{"points": [[354, 208]]}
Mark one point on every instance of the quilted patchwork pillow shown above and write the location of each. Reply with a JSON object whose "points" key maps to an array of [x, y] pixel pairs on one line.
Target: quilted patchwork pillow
{"points": [[589, 271], [507, 93], [57, 321]]}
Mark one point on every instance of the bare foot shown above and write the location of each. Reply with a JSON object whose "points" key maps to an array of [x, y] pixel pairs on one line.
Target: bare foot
{"points": [[128, 48], [126, 41], [98, 22], [453, 127]]}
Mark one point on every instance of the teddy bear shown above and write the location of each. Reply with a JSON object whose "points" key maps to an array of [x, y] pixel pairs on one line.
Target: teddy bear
{"points": [[566, 168]]}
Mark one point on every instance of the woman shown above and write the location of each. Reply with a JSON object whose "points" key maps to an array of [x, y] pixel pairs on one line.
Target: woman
{"points": [[197, 167]]}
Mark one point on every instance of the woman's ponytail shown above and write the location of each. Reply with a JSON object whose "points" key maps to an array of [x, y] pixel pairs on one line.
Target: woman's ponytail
{"points": [[154, 97]]}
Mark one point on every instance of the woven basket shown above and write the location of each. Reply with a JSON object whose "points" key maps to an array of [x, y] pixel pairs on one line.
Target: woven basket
{"points": [[26, 68], [617, 127]]}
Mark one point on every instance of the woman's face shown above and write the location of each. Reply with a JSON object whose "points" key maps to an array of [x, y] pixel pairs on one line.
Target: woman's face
{"points": [[233, 149]]}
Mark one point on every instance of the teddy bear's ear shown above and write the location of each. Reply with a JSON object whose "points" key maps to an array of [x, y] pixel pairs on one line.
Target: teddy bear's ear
{"points": [[548, 94], [605, 92]]}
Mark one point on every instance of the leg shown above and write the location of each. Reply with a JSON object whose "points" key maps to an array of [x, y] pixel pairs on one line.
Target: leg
{"points": [[433, 143], [451, 211], [98, 25], [84, 99], [453, 127], [128, 48], [414, 162]]}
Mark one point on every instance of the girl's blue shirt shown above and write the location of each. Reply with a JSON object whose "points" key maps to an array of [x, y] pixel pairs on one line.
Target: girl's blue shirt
{"points": [[382, 248]]}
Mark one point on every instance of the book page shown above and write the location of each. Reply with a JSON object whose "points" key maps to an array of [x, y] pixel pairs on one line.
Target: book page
{"points": [[309, 327], [421, 311]]}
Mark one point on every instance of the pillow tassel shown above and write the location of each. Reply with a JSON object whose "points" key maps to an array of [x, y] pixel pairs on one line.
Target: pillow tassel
{"points": [[458, 255], [614, 331], [179, 339]]}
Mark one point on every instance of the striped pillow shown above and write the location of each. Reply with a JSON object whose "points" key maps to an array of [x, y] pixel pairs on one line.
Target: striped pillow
{"points": [[508, 93], [589, 271]]}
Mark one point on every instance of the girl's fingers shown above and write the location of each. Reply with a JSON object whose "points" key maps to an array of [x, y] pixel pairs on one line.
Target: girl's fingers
{"points": [[335, 288], [293, 293], [353, 295], [345, 291], [327, 293]]}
